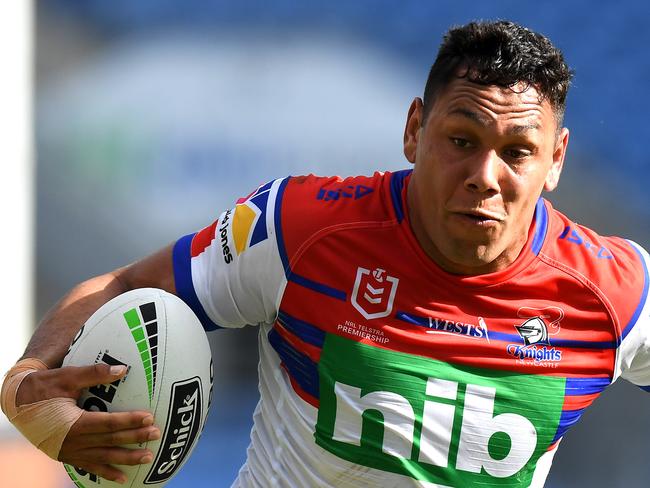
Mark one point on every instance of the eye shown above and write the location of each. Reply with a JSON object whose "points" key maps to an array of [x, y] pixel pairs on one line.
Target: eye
{"points": [[518, 153], [460, 142]]}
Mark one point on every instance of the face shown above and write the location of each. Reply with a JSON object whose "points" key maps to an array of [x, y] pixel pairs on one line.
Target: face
{"points": [[481, 161]]}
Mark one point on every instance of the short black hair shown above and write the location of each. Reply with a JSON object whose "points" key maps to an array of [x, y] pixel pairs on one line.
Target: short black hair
{"points": [[500, 53]]}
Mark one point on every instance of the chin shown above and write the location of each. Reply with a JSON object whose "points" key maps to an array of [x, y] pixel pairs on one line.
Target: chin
{"points": [[472, 259]]}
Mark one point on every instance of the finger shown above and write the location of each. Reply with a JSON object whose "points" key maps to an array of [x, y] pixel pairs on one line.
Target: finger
{"points": [[116, 455], [75, 378], [119, 438], [103, 422], [104, 471], [65, 382]]}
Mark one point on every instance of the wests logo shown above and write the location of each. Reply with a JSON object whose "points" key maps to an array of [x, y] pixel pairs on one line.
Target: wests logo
{"points": [[181, 431], [374, 293]]}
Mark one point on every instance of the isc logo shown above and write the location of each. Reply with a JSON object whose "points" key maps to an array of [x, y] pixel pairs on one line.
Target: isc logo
{"points": [[478, 426], [350, 191]]}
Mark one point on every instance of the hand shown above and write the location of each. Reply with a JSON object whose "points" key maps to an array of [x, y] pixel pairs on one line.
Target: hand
{"points": [[91, 443]]}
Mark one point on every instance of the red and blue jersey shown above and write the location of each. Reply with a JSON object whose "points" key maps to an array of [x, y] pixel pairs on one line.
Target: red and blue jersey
{"points": [[378, 368]]}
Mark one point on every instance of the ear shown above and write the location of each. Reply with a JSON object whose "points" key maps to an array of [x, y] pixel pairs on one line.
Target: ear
{"points": [[553, 175], [412, 129]]}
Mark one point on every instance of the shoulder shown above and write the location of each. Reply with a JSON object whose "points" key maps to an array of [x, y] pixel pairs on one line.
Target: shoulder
{"points": [[311, 205], [616, 269], [600, 258], [346, 198]]}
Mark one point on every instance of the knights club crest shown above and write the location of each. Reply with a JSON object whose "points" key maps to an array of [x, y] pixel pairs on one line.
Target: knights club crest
{"points": [[535, 330], [374, 293]]}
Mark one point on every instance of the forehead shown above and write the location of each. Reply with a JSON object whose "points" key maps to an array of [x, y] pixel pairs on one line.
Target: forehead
{"points": [[520, 106]]}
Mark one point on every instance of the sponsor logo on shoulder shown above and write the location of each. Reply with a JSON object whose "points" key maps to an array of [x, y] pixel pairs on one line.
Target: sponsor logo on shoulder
{"points": [[534, 331], [223, 236], [181, 431], [574, 237], [374, 293], [353, 192]]}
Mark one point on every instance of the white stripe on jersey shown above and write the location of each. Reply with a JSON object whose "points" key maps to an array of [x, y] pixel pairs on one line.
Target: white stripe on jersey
{"points": [[247, 288], [633, 355]]}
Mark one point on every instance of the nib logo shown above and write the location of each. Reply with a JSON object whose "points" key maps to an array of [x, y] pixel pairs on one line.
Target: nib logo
{"points": [[374, 293]]}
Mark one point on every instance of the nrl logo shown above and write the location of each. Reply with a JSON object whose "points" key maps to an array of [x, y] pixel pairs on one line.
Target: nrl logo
{"points": [[534, 330], [374, 293]]}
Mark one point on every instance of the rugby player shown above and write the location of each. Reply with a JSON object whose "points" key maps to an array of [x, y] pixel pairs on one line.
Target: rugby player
{"points": [[442, 326]]}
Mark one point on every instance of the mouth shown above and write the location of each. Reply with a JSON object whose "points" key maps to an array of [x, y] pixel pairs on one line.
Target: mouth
{"points": [[477, 218], [480, 217]]}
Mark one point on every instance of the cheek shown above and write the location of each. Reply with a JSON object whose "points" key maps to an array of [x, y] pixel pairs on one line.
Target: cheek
{"points": [[512, 190], [520, 193], [523, 180], [431, 191], [440, 185]]}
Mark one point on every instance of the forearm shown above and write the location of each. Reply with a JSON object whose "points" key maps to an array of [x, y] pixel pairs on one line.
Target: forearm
{"points": [[55, 332], [41, 402]]}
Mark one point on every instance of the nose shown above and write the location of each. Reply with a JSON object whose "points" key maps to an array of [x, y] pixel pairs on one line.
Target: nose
{"points": [[483, 174]]}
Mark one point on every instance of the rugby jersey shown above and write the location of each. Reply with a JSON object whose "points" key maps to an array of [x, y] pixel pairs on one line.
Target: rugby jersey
{"points": [[379, 369]]}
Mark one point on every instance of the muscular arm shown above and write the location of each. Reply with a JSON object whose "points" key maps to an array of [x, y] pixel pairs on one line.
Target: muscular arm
{"points": [[94, 440], [54, 334]]}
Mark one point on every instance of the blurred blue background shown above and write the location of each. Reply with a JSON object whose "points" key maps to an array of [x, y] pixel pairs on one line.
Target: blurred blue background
{"points": [[152, 116]]}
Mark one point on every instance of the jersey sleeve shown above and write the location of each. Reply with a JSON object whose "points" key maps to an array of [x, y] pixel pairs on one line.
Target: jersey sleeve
{"points": [[634, 350], [230, 273]]}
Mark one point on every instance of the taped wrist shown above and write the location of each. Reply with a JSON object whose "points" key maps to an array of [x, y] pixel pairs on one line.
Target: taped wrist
{"points": [[45, 423]]}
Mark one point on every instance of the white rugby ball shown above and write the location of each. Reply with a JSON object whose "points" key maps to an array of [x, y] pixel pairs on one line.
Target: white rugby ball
{"points": [[163, 344]]}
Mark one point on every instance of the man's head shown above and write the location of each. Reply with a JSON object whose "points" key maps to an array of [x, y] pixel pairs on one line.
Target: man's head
{"points": [[485, 142], [503, 54]]}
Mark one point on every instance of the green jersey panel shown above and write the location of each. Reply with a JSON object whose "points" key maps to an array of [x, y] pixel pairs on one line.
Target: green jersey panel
{"points": [[434, 421]]}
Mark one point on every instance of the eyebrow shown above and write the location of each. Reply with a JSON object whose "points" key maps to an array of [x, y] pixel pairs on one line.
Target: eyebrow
{"points": [[485, 121]]}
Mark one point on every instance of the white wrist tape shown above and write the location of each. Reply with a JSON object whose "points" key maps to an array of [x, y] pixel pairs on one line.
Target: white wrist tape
{"points": [[45, 423]]}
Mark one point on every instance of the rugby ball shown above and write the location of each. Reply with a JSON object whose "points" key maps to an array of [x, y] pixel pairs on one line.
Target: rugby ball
{"points": [[163, 345]]}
